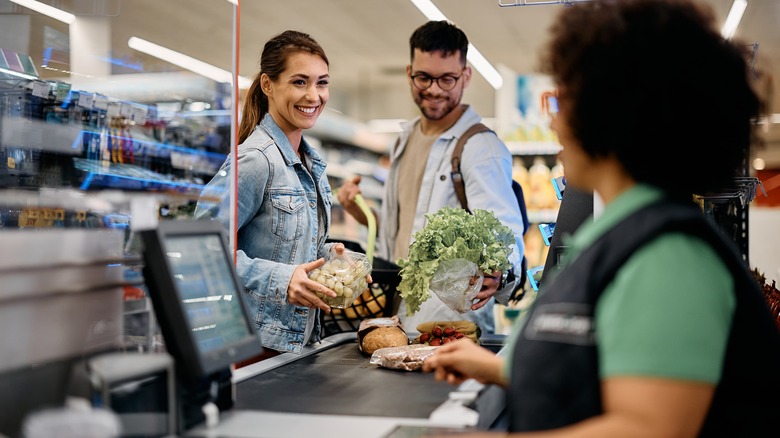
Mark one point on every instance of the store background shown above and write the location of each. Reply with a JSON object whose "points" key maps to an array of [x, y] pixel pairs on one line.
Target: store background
{"points": [[178, 125], [367, 44]]}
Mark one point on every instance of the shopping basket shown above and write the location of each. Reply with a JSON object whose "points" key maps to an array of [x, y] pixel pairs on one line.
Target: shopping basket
{"points": [[378, 300]]}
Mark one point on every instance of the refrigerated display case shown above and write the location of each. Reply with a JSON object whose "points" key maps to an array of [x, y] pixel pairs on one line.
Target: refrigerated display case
{"points": [[91, 151]]}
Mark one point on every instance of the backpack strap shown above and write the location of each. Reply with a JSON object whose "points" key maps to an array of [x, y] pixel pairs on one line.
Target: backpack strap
{"points": [[460, 191], [457, 177]]}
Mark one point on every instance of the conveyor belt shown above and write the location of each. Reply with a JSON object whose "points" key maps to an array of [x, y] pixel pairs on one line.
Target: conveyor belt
{"points": [[340, 381]]}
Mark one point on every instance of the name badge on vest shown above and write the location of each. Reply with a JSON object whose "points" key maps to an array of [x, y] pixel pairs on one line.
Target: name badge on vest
{"points": [[568, 323]]}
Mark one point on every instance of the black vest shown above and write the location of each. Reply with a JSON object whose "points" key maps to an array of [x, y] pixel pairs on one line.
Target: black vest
{"points": [[555, 375]]}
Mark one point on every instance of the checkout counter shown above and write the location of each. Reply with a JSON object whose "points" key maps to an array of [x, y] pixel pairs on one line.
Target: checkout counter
{"points": [[330, 390]]}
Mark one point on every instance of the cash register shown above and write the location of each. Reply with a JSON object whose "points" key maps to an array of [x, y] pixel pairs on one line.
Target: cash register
{"points": [[198, 302]]}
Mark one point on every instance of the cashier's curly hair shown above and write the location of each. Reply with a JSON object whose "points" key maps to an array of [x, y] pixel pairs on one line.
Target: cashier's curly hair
{"points": [[653, 83], [273, 61]]}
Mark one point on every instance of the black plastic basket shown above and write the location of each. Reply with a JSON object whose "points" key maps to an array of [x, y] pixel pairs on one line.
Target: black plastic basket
{"points": [[378, 301]]}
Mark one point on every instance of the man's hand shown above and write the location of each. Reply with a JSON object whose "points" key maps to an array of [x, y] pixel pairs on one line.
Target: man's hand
{"points": [[489, 288], [346, 196]]}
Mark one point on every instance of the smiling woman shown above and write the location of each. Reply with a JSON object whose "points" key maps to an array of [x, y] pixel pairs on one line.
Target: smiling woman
{"points": [[296, 99], [284, 198]]}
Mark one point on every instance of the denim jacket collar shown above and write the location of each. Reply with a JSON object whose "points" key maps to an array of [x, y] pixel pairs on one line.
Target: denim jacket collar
{"points": [[275, 132], [288, 153]]}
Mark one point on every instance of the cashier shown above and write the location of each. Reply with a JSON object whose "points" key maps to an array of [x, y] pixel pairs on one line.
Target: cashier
{"points": [[654, 327]]}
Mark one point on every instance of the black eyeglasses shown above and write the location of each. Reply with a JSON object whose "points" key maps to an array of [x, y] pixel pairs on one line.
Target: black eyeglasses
{"points": [[445, 82]]}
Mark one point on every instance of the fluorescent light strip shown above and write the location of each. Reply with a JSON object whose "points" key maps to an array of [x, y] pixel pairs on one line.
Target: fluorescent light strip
{"points": [[485, 68], [186, 62], [16, 73], [733, 19], [429, 10], [770, 119], [57, 14], [491, 75], [385, 125]]}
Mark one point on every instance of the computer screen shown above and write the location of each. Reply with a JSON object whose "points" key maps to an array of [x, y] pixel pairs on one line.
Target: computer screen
{"points": [[197, 296]]}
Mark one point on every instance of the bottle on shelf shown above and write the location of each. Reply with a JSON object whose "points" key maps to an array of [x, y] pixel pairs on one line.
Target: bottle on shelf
{"points": [[557, 170], [541, 194], [520, 174]]}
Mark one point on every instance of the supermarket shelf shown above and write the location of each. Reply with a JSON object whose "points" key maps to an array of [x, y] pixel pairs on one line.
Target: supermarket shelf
{"points": [[533, 147], [543, 216], [104, 200], [129, 177]]}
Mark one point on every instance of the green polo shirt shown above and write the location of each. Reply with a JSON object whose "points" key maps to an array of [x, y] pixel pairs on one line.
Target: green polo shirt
{"points": [[668, 311]]}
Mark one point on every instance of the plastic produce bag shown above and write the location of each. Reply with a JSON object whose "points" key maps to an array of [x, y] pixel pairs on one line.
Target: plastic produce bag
{"points": [[407, 357], [344, 274], [456, 283]]}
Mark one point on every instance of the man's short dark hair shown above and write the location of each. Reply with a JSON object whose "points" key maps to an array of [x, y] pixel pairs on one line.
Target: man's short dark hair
{"points": [[439, 36]]}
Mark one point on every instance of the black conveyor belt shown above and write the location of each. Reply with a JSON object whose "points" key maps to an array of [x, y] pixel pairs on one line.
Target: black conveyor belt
{"points": [[340, 381]]}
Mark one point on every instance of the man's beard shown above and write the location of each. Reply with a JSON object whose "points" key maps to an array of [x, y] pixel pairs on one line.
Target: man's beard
{"points": [[443, 108]]}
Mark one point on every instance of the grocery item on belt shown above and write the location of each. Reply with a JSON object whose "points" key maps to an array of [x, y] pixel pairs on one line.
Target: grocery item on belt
{"points": [[377, 333], [437, 333], [407, 357]]}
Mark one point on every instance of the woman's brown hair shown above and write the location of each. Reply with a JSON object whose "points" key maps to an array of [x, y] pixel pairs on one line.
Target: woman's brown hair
{"points": [[273, 61]]}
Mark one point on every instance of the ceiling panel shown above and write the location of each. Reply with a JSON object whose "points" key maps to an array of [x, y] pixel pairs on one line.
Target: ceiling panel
{"points": [[367, 40]]}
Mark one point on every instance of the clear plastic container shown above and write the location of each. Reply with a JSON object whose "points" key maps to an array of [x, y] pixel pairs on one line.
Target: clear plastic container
{"points": [[71, 423], [344, 274]]}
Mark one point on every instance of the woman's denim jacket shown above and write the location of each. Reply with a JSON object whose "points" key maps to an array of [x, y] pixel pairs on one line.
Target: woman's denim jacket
{"points": [[277, 229]]}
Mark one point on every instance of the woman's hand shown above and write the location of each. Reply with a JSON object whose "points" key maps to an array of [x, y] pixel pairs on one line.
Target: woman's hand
{"points": [[339, 249], [458, 361], [489, 288], [302, 290]]}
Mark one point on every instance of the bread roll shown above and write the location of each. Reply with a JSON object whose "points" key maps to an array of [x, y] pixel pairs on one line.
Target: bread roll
{"points": [[382, 337]]}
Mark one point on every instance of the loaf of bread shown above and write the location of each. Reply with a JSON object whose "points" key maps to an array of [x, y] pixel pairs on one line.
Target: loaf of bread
{"points": [[383, 337]]}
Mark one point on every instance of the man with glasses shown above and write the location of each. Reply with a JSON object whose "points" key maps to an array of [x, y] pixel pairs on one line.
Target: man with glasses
{"points": [[419, 181]]}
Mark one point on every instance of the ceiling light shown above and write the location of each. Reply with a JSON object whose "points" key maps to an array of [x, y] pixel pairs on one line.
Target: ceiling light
{"points": [[770, 119], [186, 62], [485, 68], [385, 125], [57, 14], [491, 75], [235, 2], [429, 10], [733, 19], [17, 74]]}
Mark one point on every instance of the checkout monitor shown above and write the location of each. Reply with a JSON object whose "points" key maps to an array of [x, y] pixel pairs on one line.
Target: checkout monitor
{"points": [[197, 297]]}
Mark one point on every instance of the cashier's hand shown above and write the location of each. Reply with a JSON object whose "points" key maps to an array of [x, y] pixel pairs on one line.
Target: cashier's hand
{"points": [[489, 288], [458, 361], [301, 290]]}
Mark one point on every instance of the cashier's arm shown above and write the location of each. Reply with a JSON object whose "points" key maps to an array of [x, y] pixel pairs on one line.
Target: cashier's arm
{"points": [[633, 406], [645, 407]]}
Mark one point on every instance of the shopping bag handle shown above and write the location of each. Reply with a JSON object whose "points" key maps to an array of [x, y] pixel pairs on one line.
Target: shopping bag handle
{"points": [[371, 226]]}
